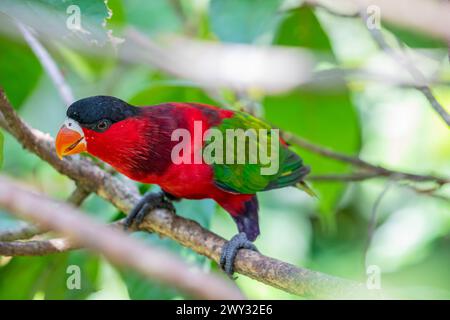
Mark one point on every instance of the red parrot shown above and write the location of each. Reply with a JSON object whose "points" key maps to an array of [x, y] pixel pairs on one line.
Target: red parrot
{"points": [[138, 142]]}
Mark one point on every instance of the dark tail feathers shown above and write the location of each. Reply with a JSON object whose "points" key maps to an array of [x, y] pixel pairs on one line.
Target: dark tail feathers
{"points": [[247, 220]]}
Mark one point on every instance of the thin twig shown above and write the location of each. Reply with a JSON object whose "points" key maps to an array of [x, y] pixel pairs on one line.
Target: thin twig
{"points": [[373, 218], [48, 63], [403, 61], [429, 17], [370, 170], [24, 231], [429, 192], [351, 177], [426, 90], [421, 83], [35, 247], [60, 83], [355, 161]]}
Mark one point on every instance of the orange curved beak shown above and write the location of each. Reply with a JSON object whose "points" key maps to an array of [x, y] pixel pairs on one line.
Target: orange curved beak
{"points": [[69, 141]]}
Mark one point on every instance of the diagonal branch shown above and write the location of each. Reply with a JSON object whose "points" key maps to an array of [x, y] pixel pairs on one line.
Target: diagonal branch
{"points": [[421, 83], [48, 63], [368, 170], [35, 247], [415, 73], [373, 170], [125, 251], [25, 231]]}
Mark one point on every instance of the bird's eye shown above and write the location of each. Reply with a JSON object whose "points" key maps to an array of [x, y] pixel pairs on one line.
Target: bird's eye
{"points": [[102, 125]]}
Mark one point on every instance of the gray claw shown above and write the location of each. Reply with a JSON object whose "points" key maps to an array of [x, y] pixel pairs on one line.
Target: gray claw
{"points": [[150, 201], [230, 250]]}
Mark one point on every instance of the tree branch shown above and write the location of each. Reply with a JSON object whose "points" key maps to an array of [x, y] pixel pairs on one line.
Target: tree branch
{"points": [[190, 234], [361, 176], [25, 231], [368, 171], [125, 251], [35, 247], [429, 17], [351, 177], [374, 170], [421, 83], [415, 73], [78, 196]]}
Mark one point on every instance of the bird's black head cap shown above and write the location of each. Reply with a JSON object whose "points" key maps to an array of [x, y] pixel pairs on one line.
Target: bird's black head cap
{"points": [[93, 109]]}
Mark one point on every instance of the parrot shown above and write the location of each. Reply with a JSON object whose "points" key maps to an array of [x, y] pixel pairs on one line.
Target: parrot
{"points": [[138, 142]]}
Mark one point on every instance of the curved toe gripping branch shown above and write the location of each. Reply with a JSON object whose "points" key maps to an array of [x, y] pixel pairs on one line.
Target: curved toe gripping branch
{"points": [[230, 250], [149, 202]]}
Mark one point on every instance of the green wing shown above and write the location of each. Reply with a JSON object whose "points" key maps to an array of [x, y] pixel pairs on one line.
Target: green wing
{"points": [[265, 165]]}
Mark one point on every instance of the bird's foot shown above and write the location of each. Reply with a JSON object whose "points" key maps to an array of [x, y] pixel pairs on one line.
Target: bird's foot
{"points": [[150, 201], [230, 250]]}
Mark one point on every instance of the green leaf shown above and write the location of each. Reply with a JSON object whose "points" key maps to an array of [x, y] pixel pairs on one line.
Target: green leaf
{"points": [[159, 93], [327, 118], [17, 79], [414, 39], [243, 21], [150, 16], [59, 18], [47, 275], [53, 280], [24, 273], [89, 267], [301, 28]]}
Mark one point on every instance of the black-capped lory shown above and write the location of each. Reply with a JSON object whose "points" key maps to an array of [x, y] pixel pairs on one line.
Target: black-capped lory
{"points": [[185, 148]]}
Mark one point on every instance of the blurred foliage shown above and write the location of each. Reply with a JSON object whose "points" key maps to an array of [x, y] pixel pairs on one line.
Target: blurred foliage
{"points": [[61, 13], [17, 91], [43, 276], [318, 113], [414, 39], [161, 93], [243, 21], [384, 124]]}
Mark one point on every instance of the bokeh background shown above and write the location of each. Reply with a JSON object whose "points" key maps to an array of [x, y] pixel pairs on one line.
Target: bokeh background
{"points": [[367, 112]]}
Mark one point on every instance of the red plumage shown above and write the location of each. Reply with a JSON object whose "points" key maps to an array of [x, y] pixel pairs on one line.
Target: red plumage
{"points": [[140, 148]]}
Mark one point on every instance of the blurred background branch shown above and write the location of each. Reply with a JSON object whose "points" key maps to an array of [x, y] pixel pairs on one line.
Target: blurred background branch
{"points": [[374, 170], [27, 231], [402, 60], [115, 245], [48, 63], [419, 80]]}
